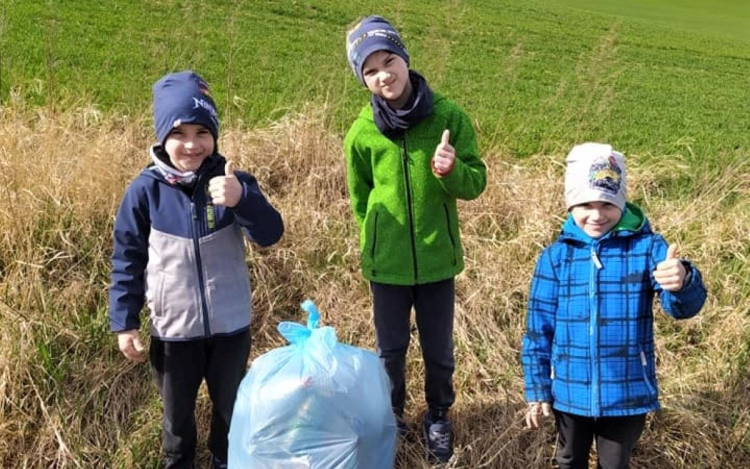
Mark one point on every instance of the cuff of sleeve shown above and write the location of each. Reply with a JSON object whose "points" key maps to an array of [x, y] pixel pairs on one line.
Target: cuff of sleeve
{"points": [[439, 173], [688, 274]]}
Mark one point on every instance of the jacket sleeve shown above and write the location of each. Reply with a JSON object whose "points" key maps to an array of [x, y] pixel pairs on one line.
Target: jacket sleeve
{"points": [[129, 259], [359, 179], [468, 178], [260, 221], [686, 302], [536, 352]]}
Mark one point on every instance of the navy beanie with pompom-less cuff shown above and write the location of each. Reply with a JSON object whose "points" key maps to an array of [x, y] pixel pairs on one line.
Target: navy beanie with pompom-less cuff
{"points": [[372, 34], [183, 98]]}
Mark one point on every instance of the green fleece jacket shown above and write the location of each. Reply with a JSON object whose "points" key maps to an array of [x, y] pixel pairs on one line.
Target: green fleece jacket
{"points": [[408, 221]]}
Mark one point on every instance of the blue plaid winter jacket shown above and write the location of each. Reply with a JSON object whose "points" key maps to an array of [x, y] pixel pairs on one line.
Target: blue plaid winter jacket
{"points": [[589, 346]]}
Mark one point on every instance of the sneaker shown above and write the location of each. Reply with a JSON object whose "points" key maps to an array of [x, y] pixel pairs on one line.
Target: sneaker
{"points": [[401, 428], [217, 464], [438, 437]]}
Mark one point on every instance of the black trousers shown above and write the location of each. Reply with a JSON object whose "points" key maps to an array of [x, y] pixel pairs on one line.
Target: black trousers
{"points": [[615, 438], [434, 307], [178, 369]]}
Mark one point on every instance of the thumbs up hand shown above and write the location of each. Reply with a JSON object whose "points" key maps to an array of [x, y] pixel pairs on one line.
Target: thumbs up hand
{"points": [[445, 156], [670, 273], [225, 190]]}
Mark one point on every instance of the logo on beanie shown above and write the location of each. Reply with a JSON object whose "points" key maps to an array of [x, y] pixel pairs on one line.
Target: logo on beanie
{"points": [[605, 175], [203, 104], [382, 33]]}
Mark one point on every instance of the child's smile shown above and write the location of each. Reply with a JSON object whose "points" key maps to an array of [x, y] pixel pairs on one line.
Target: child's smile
{"points": [[188, 145], [596, 218]]}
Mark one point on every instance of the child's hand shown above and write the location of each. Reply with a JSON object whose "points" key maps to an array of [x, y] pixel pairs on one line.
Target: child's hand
{"points": [[670, 273], [536, 412], [445, 156], [225, 190], [131, 346]]}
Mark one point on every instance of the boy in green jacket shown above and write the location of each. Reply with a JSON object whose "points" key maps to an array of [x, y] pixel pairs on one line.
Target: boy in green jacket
{"points": [[410, 154]]}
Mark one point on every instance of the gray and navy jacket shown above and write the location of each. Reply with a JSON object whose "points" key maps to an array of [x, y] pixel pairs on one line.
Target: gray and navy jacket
{"points": [[185, 256], [589, 345]]}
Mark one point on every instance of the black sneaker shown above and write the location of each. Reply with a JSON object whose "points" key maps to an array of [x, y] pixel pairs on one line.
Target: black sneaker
{"points": [[217, 464], [438, 437], [402, 429]]}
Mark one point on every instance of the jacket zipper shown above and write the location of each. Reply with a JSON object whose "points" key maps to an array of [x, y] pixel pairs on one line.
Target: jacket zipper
{"points": [[596, 265], [195, 227], [405, 164]]}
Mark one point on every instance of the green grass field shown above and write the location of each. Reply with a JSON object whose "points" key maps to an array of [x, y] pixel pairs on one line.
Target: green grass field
{"points": [[536, 76], [664, 82], [728, 18]]}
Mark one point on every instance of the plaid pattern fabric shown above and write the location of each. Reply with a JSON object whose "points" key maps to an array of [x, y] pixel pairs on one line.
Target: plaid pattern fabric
{"points": [[589, 346]]}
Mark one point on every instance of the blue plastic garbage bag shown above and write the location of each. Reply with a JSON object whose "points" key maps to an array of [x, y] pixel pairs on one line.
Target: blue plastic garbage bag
{"points": [[315, 403]]}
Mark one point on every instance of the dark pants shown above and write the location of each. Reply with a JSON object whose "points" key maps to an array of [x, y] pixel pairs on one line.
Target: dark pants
{"points": [[434, 307], [615, 438], [178, 369]]}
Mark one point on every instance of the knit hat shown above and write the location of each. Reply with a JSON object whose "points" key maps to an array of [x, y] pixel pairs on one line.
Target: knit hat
{"points": [[372, 34], [595, 173], [183, 98]]}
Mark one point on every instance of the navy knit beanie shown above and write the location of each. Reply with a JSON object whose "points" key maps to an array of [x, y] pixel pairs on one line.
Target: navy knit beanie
{"points": [[183, 98], [372, 34]]}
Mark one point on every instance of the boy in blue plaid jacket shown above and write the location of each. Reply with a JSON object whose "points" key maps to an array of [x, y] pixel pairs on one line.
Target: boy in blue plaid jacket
{"points": [[588, 353]]}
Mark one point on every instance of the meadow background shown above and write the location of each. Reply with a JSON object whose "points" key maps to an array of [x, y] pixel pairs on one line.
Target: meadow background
{"points": [[665, 82]]}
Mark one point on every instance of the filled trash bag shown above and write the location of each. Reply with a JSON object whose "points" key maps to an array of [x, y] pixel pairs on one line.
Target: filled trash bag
{"points": [[315, 403]]}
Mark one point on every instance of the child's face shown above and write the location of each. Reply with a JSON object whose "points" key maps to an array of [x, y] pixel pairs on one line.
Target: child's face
{"points": [[387, 76], [188, 145], [596, 218]]}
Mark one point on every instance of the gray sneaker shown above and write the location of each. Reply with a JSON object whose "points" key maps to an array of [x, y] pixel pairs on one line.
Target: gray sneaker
{"points": [[438, 437]]}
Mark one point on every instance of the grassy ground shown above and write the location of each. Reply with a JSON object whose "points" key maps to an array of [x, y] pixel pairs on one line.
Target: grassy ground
{"points": [[74, 125]]}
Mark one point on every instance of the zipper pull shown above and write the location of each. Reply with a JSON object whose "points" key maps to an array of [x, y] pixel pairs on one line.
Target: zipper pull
{"points": [[210, 212], [192, 211], [210, 217], [595, 259]]}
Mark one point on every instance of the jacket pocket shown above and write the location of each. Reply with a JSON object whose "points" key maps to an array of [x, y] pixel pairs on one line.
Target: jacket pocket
{"points": [[450, 232], [374, 238], [159, 301], [646, 378]]}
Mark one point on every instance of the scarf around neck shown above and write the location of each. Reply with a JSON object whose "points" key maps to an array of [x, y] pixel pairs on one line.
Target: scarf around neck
{"points": [[393, 123], [170, 173]]}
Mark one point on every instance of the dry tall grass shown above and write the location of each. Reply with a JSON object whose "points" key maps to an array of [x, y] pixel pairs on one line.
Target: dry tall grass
{"points": [[68, 399]]}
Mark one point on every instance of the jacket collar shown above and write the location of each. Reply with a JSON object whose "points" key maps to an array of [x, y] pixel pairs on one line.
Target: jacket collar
{"points": [[632, 222]]}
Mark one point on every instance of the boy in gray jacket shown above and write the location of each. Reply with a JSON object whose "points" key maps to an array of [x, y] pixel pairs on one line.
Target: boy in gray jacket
{"points": [[178, 243]]}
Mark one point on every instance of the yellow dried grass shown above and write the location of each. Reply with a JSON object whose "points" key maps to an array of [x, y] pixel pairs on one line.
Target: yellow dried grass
{"points": [[67, 399]]}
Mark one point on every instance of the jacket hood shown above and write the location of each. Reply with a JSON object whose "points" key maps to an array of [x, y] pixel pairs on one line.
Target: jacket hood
{"points": [[212, 166], [632, 222]]}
